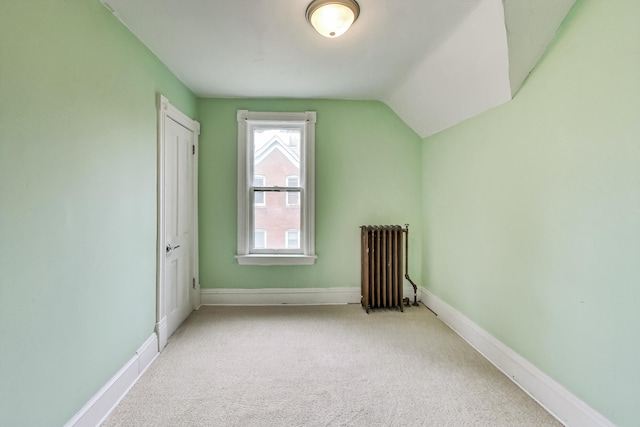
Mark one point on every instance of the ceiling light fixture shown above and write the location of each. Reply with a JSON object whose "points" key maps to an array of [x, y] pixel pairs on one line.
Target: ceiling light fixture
{"points": [[332, 18]]}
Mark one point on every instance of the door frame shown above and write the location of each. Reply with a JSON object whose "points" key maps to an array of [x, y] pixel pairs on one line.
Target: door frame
{"points": [[167, 111]]}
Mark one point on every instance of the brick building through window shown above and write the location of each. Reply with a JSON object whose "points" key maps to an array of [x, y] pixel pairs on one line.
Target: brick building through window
{"points": [[277, 163]]}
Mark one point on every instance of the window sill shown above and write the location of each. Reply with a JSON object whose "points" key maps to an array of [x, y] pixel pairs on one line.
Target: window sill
{"points": [[280, 259]]}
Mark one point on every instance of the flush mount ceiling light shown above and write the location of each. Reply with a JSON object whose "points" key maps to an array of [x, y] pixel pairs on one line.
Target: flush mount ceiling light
{"points": [[332, 18]]}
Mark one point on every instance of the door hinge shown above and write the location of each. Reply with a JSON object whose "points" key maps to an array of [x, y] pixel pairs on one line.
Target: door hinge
{"points": [[193, 149], [194, 283]]}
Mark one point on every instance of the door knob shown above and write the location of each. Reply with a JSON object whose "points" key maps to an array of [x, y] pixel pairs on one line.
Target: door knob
{"points": [[170, 248]]}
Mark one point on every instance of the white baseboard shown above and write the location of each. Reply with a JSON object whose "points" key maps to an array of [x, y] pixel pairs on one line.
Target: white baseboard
{"points": [[277, 296], [101, 405], [560, 402]]}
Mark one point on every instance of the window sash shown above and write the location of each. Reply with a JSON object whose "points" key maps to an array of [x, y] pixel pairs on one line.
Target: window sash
{"points": [[252, 126], [285, 250], [277, 189]]}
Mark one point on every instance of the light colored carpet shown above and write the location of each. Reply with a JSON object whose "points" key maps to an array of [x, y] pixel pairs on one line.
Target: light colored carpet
{"points": [[322, 366]]}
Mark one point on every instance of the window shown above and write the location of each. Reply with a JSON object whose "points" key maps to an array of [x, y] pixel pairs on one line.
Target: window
{"points": [[259, 197], [276, 156], [292, 239], [292, 197]]}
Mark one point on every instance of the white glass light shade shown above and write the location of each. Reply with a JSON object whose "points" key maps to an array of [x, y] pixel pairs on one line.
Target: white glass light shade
{"points": [[332, 18]]}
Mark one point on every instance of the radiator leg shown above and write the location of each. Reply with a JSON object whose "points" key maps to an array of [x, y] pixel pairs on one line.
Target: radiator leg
{"points": [[415, 289], [406, 270]]}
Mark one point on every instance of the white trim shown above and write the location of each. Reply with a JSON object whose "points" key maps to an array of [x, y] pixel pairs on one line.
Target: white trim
{"points": [[100, 406], [556, 399], [276, 118], [278, 296], [167, 111], [279, 259], [195, 292], [163, 333]]}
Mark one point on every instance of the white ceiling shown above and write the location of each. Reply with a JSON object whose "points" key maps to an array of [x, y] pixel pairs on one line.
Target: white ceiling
{"points": [[434, 62]]}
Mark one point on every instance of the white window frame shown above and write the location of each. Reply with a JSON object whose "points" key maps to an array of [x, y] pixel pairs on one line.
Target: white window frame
{"points": [[288, 193], [247, 121]]}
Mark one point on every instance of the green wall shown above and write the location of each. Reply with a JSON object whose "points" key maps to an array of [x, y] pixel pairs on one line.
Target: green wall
{"points": [[367, 172], [77, 203], [532, 212]]}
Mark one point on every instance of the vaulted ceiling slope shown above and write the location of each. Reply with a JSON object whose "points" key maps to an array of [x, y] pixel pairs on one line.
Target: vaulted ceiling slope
{"points": [[435, 63]]}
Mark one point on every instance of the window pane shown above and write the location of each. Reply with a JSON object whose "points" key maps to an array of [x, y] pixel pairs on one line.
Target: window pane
{"points": [[259, 196], [276, 154], [260, 239], [276, 218], [293, 198], [293, 239]]}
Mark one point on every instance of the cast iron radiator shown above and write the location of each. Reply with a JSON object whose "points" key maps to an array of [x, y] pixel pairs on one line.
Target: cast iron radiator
{"points": [[381, 275]]}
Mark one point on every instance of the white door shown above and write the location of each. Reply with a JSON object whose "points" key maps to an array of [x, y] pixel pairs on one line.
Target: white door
{"points": [[178, 288], [179, 274]]}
